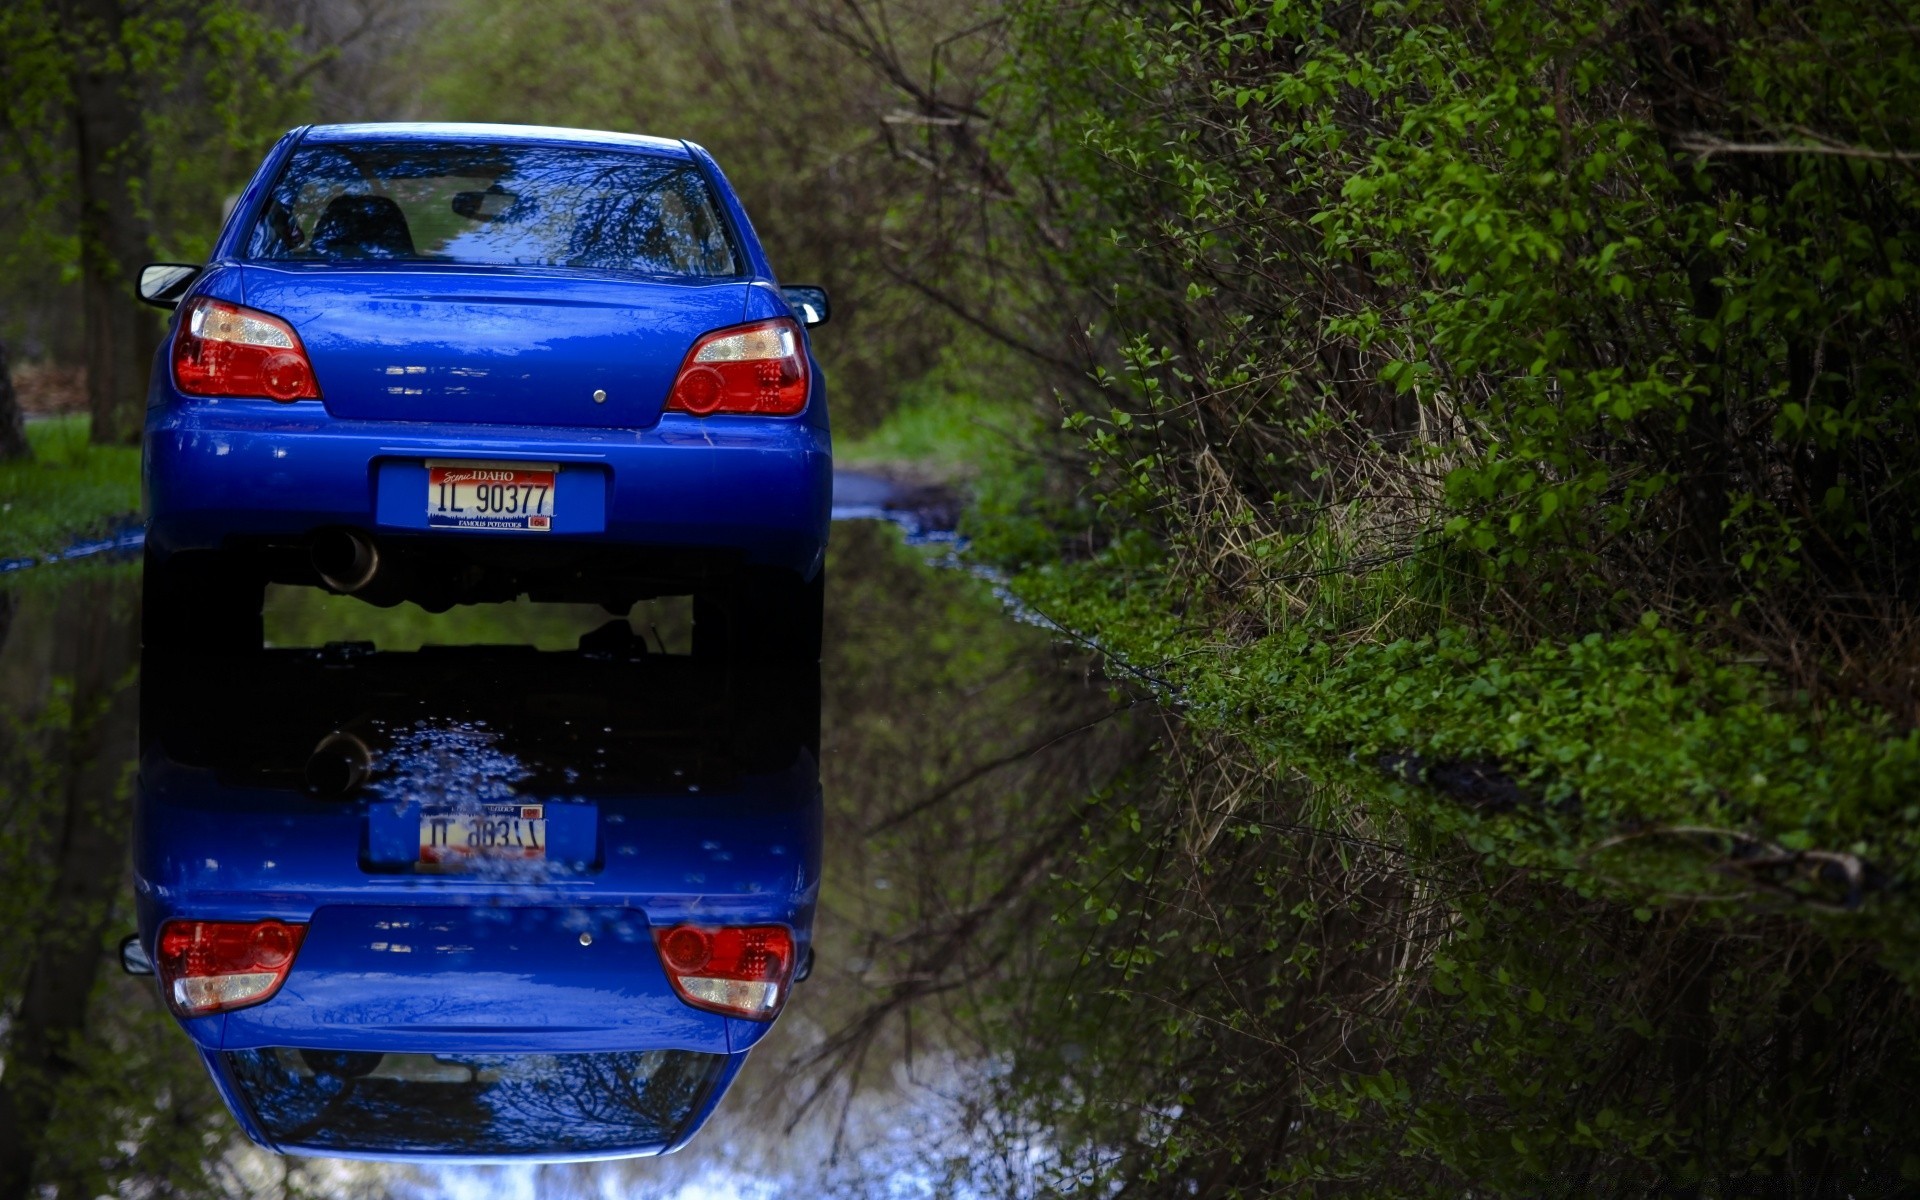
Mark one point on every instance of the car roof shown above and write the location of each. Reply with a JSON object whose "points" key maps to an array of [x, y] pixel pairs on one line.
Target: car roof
{"points": [[462, 131]]}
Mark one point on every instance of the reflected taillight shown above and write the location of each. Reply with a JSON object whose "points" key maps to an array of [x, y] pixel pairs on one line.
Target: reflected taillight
{"points": [[758, 368], [226, 349], [741, 971], [213, 966]]}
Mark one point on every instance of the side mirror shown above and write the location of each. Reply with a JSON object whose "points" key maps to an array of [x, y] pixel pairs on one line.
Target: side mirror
{"points": [[808, 302], [133, 956], [162, 284]]}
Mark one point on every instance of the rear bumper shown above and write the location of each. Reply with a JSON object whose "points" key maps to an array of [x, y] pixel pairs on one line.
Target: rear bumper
{"points": [[756, 489]]}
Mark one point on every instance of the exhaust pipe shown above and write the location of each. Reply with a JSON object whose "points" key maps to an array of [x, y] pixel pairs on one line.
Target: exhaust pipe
{"points": [[346, 560], [339, 764]]}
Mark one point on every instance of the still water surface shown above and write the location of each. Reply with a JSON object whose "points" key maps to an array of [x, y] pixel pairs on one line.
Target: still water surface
{"points": [[1057, 944], [883, 789]]}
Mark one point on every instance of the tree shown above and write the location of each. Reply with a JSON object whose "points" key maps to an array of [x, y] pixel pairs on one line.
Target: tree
{"points": [[115, 114], [64, 772], [780, 94], [13, 430], [111, 157]]}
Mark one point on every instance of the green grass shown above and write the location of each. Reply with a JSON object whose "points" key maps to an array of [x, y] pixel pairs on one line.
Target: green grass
{"points": [[939, 432], [69, 491], [302, 616]]}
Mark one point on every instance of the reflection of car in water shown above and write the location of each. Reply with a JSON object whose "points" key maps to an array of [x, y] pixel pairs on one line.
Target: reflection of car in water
{"points": [[478, 902]]}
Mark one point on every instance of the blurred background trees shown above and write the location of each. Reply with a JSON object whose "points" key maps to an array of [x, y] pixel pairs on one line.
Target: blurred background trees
{"points": [[803, 126], [125, 125], [131, 127]]}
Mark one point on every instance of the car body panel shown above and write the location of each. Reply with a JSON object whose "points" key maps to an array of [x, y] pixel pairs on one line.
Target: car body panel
{"points": [[759, 488], [487, 976], [492, 346]]}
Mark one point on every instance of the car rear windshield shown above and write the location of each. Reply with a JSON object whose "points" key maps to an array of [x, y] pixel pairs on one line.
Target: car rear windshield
{"points": [[480, 1104], [494, 205]]}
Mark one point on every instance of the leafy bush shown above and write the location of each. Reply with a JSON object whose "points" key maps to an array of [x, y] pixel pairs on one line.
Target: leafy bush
{"points": [[1600, 308]]}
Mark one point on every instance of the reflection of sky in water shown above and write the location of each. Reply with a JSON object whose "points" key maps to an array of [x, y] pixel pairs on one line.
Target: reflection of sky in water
{"points": [[459, 765], [899, 1133], [524, 1183]]}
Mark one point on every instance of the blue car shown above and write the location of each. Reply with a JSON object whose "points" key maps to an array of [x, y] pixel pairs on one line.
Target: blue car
{"points": [[452, 364], [477, 903]]}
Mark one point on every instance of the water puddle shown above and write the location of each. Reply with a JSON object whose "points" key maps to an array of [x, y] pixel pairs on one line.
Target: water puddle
{"points": [[874, 792], [1041, 937]]}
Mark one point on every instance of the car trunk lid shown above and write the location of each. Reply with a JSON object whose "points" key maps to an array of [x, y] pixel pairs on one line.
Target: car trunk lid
{"points": [[373, 977], [494, 346]]}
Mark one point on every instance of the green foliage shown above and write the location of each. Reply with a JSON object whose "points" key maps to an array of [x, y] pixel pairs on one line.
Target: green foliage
{"points": [[307, 616], [1246, 996], [1497, 437], [789, 113], [1509, 276], [942, 429], [217, 83], [1604, 749], [67, 492]]}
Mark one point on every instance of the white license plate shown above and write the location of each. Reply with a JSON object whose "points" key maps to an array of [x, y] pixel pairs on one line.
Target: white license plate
{"points": [[490, 495], [511, 832]]}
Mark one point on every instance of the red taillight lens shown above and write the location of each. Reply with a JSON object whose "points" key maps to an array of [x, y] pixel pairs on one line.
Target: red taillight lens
{"points": [[224, 349], [741, 971], [212, 966], [759, 368]]}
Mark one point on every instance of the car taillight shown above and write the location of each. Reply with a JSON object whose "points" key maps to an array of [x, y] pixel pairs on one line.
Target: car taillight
{"points": [[226, 349], [758, 368], [741, 971], [212, 966]]}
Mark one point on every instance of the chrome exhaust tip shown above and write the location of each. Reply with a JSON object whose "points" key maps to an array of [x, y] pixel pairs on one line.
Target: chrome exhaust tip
{"points": [[339, 764], [346, 561]]}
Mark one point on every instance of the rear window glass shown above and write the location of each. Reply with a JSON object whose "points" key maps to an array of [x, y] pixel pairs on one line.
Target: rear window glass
{"points": [[494, 205], [473, 1103]]}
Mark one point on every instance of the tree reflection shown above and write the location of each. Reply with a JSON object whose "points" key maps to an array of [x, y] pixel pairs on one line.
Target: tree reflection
{"points": [[99, 1091], [475, 1103]]}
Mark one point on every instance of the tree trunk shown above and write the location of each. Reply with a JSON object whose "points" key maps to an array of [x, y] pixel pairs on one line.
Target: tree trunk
{"points": [[98, 649], [13, 429], [110, 144]]}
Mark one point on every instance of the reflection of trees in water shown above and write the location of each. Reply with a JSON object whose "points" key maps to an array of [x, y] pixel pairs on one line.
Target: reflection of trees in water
{"points": [[1231, 993], [652, 1092], [479, 1103], [1199, 985], [103, 1095], [1235, 998], [100, 1092], [959, 752]]}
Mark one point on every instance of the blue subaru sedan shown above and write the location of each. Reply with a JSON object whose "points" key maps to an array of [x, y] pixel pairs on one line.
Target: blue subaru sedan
{"points": [[452, 364], [478, 903]]}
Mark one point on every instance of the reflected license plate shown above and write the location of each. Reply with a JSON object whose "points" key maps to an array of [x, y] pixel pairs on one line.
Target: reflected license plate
{"points": [[512, 832], [490, 495]]}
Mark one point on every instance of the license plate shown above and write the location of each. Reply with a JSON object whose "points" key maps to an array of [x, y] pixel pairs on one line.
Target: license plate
{"points": [[452, 839], [490, 495]]}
